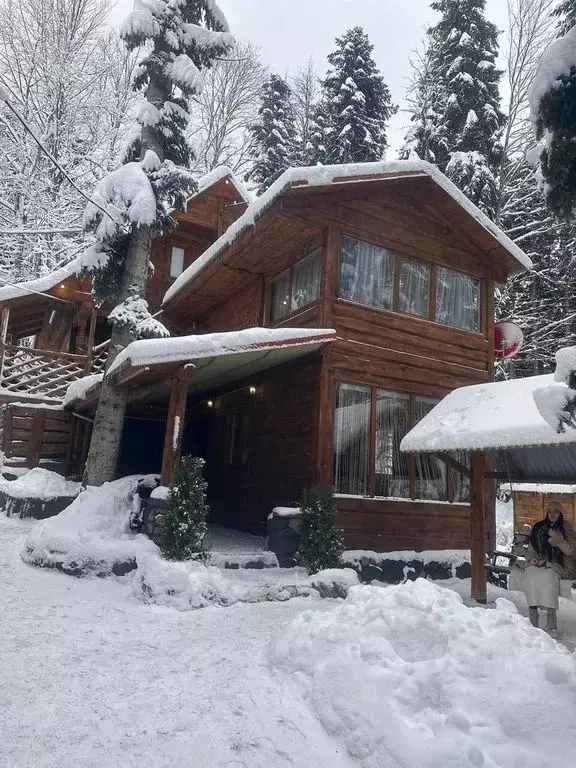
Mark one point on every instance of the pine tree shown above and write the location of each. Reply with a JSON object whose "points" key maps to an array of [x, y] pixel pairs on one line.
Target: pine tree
{"points": [[321, 541], [274, 134], [185, 525], [315, 151], [131, 204], [553, 109], [457, 116], [357, 101], [566, 15]]}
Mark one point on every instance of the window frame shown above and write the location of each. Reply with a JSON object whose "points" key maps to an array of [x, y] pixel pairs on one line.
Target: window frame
{"points": [[268, 319], [172, 249], [400, 258], [411, 458]]}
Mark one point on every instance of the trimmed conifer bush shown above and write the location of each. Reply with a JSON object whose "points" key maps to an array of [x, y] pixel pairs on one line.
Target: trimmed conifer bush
{"points": [[186, 523], [321, 541]]}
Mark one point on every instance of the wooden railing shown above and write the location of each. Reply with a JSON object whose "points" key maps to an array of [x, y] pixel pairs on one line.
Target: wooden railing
{"points": [[38, 373], [99, 357]]}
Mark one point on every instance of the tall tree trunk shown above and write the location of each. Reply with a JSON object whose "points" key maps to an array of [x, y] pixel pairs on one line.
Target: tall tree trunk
{"points": [[109, 420]]}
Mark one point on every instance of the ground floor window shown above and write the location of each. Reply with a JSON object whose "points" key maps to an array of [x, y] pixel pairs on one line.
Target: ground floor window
{"points": [[369, 426]]}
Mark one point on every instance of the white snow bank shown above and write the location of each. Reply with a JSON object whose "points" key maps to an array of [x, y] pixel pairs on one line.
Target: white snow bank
{"points": [[191, 585], [339, 174], [39, 483], [183, 348], [409, 676], [92, 534], [78, 389], [501, 414]]}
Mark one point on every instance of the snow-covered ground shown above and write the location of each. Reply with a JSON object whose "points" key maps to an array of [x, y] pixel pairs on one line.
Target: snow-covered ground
{"points": [[91, 677]]}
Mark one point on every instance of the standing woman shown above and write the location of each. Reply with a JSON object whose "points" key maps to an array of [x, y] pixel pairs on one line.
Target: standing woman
{"points": [[551, 556]]}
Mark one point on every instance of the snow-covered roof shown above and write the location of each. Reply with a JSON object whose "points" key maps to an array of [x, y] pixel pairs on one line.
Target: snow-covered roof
{"points": [[218, 174], [42, 284], [339, 174], [181, 349], [544, 488], [487, 416]]}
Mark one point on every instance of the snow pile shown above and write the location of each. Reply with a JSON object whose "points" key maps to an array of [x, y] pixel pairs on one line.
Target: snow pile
{"points": [[409, 676], [338, 174], [78, 389], [127, 196], [39, 483], [92, 534], [190, 585], [182, 348]]}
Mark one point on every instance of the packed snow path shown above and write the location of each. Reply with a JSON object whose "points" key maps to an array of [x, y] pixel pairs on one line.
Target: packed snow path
{"points": [[90, 677]]}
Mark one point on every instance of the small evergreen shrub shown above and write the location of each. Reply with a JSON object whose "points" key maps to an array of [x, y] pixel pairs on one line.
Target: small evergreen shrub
{"points": [[186, 523], [321, 541]]}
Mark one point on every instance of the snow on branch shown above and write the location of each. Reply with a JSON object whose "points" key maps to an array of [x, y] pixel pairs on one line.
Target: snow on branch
{"points": [[185, 74], [133, 314], [557, 61], [127, 197]]}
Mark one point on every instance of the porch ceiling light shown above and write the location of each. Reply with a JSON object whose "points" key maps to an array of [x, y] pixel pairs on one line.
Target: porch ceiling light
{"points": [[252, 390], [210, 403]]}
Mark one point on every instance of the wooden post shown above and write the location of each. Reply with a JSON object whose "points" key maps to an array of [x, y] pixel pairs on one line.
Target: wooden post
{"points": [[3, 333], [330, 274], [175, 423], [90, 341], [478, 528]]}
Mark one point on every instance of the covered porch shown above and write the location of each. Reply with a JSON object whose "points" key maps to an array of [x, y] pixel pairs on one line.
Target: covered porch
{"points": [[498, 428], [245, 401]]}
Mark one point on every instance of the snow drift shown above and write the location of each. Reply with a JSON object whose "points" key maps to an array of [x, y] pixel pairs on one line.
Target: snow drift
{"points": [[91, 535], [409, 676]]}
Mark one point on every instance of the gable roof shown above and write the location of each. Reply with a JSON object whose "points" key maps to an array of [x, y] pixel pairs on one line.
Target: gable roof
{"points": [[333, 176], [42, 284], [215, 176]]}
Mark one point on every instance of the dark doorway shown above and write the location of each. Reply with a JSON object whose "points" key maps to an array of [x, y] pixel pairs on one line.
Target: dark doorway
{"points": [[141, 448]]}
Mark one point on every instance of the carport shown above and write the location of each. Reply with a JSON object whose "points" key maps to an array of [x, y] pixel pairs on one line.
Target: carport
{"points": [[494, 432]]}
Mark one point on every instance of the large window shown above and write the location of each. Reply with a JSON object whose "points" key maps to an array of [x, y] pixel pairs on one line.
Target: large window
{"points": [[369, 426], [379, 278], [457, 299], [294, 288]]}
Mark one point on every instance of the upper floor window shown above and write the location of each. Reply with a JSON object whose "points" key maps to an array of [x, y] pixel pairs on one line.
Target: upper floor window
{"points": [[177, 262], [295, 288], [366, 273], [380, 278], [457, 299]]}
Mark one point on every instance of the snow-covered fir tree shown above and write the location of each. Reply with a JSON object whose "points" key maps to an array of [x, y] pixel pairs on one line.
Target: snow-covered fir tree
{"points": [[315, 151], [553, 111], [131, 205], [186, 523], [565, 15], [357, 101], [273, 133], [457, 103]]}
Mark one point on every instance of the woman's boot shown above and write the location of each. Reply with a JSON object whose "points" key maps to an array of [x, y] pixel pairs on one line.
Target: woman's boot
{"points": [[533, 615], [552, 622]]}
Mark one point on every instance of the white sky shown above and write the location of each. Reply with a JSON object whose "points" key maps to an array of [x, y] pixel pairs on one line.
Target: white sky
{"points": [[290, 31]]}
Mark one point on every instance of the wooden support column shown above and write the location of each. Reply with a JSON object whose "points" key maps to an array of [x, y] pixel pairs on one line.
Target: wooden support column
{"points": [[478, 528], [330, 274], [175, 423], [90, 341], [4, 320]]}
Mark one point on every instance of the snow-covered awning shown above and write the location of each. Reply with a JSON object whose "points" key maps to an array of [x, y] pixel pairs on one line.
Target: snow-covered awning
{"points": [[497, 415], [42, 284], [216, 359], [502, 421], [298, 180]]}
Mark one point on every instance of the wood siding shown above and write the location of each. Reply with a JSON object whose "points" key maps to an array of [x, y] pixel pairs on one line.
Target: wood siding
{"points": [[387, 526], [34, 434]]}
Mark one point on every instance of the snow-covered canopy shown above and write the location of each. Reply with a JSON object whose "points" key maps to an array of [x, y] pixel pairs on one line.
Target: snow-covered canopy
{"points": [[150, 352], [221, 173], [318, 176], [487, 416], [42, 284]]}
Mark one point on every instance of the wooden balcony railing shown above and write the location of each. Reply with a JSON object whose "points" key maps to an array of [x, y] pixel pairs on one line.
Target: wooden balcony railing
{"points": [[38, 373]]}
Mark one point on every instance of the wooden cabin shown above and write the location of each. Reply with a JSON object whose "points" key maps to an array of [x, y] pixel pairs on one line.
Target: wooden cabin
{"points": [[374, 285], [531, 502]]}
